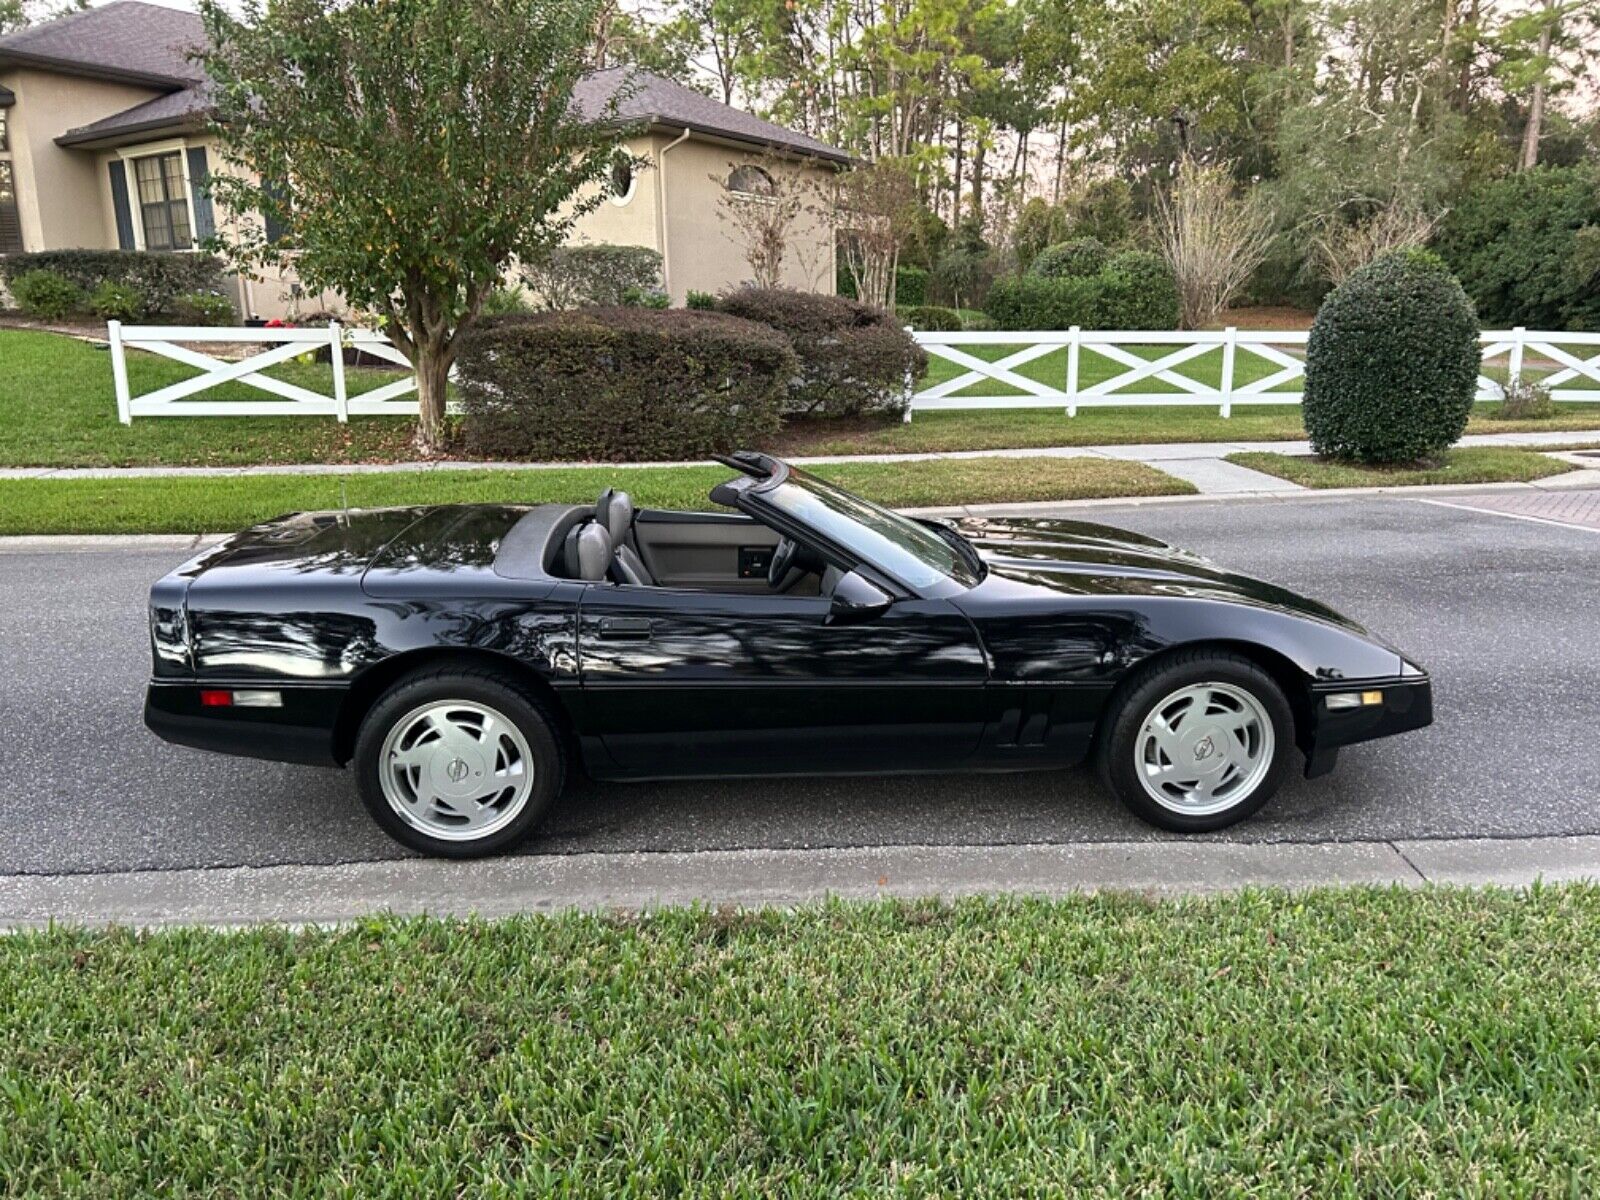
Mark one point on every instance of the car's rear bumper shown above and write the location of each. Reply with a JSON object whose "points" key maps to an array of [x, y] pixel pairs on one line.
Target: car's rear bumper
{"points": [[300, 731], [1407, 704]]}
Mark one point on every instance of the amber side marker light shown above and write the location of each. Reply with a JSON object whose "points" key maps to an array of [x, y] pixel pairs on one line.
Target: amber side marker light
{"points": [[217, 698], [1354, 699]]}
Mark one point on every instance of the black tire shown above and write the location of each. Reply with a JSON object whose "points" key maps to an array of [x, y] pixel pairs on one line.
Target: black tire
{"points": [[1118, 751], [496, 690]]}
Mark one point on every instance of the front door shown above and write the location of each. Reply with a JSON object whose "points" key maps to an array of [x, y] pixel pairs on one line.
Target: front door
{"points": [[679, 682]]}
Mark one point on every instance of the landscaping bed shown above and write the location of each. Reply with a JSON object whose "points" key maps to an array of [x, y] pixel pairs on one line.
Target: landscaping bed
{"points": [[208, 504], [1362, 1042], [1469, 464]]}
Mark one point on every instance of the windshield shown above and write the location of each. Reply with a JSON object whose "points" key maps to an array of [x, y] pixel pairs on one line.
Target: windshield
{"points": [[914, 554]]}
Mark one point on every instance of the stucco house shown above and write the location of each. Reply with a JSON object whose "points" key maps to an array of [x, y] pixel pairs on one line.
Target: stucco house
{"points": [[103, 145]]}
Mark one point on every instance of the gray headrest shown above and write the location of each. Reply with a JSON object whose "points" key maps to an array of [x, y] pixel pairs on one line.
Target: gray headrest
{"points": [[586, 552], [614, 511]]}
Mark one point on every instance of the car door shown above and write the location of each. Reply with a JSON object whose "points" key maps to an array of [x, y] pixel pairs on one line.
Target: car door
{"points": [[682, 682]]}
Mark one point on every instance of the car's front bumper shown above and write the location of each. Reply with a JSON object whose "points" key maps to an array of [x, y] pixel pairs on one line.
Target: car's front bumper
{"points": [[1406, 704], [300, 730]]}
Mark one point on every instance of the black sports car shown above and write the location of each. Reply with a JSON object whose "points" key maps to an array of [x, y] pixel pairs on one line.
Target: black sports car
{"points": [[463, 658]]}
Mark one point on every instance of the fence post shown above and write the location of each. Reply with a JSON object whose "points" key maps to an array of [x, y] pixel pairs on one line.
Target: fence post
{"points": [[341, 401], [119, 372], [911, 384], [1514, 367], [1072, 371], [1230, 340]]}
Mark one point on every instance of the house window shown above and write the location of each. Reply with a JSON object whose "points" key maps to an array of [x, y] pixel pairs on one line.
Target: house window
{"points": [[750, 181], [5, 137], [10, 223], [163, 202], [621, 178]]}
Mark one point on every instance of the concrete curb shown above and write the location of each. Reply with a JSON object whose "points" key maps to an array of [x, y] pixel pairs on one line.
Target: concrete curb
{"points": [[749, 878]]}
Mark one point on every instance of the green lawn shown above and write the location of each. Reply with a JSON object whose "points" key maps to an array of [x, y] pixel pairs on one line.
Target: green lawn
{"points": [[221, 504], [1331, 1043], [1472, 464]]}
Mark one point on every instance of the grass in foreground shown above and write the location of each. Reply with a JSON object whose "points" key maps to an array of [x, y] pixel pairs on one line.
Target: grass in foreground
{"points": [[1434, 1043], [1469, 464], [221, 504]]}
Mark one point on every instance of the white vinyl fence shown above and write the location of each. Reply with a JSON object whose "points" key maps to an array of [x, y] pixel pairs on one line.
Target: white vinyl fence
{"points": [[1221, 368], [278, 346], [1071, 369]]}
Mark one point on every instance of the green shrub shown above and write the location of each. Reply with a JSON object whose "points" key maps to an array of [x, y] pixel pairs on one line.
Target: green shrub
{"points": [[975, 321], [1524, 400], [1138, 291], [46, 294], [853, 358], [637, 297], [930, 317], [701, 301], [1032, 302], [620, 384], [506, 301], [962, 275], [910, 285], [115, 301], [1078, 259], [158, 278], [1392, 363], [1518, 247], [577, 276], [204, 308]]}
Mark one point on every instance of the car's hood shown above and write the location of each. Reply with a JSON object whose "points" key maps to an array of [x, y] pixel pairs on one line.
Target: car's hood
{"points": [[1082, 558]]}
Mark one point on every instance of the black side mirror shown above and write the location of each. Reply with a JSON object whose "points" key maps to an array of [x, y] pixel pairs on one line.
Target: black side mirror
{"points": [[857, 599]]}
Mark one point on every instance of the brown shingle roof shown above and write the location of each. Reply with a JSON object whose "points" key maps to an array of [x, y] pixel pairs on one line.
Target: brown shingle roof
{"points": [[190, 107], [659, 100], [124, 40]]}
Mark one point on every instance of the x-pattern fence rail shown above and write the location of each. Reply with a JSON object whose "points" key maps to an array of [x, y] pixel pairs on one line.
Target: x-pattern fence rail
{"points": [[1071, 369], [282, 345], [1080, 368]]}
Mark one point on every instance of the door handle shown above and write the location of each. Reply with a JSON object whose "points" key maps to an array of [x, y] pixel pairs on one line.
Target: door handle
{"points": [[625, 628]]}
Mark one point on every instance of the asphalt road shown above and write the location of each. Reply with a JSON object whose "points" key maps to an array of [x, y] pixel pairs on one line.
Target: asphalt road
{"points": [[1504, 612]]}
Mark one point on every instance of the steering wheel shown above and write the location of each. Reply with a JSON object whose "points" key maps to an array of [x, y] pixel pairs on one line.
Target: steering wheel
{"points": [[782, 561]]}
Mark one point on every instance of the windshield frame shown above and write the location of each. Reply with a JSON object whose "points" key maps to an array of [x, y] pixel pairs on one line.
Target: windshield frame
{"points": [[760, 500]]}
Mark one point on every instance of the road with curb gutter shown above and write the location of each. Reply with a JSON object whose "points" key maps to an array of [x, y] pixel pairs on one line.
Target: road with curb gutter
{"points": [[105, 822]]}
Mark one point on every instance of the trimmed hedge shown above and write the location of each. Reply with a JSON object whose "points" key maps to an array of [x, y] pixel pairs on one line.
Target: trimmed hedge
{"points": [[620, 384], [1076, 259], [931, 317], [910, 285], [603, 275], [158, 278], [1392, 363], [852, 358], [1517, 245], [1134, 290]]}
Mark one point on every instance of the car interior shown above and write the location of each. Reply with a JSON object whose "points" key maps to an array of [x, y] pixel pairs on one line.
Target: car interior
{"points": [[697, 551]]}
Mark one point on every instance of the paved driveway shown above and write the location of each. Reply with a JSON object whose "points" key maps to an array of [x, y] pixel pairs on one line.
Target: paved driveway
{"points": [[1505, 612]]}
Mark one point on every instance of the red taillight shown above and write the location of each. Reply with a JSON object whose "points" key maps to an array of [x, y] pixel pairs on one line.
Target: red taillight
{"points": [[210, 699]]}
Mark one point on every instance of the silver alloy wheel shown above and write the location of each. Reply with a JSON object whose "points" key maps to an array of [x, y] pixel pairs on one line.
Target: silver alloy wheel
{"points": [[1204, 748], [456, 770]]}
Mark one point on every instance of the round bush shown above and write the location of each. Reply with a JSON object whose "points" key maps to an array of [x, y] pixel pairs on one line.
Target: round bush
{"points": [[46, 294], [204, 308], [1079, 258], [1392, 363], [116, 301], [1138, 292], [931, 317], [620, 385]]}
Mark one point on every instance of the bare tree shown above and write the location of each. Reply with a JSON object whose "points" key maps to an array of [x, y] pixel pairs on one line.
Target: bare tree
{"points": [[876, 211], [1212, 239], [1341, 247], [760, 203]]}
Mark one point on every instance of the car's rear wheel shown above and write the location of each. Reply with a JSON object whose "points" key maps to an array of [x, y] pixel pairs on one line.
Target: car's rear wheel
{"points": [[459, 763], [1199, 742]]}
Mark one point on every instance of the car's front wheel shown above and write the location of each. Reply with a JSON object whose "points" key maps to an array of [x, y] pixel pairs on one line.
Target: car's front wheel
{"points": [[458, 763], [1199, 742]]}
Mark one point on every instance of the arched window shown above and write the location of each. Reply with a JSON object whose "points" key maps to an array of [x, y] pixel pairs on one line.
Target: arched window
{"points": [[750, 181], [621, 178]]}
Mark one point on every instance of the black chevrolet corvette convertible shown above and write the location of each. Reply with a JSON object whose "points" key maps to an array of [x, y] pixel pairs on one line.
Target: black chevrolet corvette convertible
{"points": [[463, 658]]}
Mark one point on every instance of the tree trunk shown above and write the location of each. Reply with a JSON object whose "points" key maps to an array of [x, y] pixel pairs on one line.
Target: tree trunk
{"points": [[979, 150], [433, 375], [1530, 135]]}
